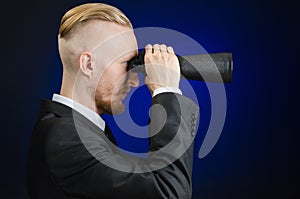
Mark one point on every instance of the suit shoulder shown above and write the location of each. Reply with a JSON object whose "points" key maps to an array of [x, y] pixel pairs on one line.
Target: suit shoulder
{"points": [[52, 130]]}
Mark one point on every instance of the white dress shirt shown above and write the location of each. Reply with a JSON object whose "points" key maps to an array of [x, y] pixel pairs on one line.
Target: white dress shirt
{"points": [[88, 113], [166, 90]]}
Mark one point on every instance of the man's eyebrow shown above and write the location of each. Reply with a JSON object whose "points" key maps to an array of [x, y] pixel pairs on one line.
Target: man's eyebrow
{"points": [[128, 55]]}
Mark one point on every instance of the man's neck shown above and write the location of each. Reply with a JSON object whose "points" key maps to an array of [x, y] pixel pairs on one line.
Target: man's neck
{"points": [[81, 108]]}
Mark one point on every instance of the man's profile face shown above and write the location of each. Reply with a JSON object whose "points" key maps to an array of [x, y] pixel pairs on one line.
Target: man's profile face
{"points": [[115, 81]]}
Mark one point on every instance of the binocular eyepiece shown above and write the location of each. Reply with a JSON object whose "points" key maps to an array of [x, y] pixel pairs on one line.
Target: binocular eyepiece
{"points": [[215, 67]]}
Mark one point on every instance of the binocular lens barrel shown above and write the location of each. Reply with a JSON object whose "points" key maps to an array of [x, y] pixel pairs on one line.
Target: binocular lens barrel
{"points": [[214, 67]]}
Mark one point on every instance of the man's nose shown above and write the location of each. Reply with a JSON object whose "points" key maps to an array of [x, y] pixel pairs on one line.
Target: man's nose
{"points": [[133, 79]]}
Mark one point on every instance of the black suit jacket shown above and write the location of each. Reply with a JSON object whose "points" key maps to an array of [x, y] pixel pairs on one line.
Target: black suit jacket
{"points": [[70, 157]]}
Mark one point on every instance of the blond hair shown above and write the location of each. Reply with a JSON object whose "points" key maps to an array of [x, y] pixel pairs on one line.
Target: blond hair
{"points": [[91, 11]]}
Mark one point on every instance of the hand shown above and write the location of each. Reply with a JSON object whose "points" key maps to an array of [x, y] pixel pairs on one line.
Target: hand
{"points": [[162, 67]]}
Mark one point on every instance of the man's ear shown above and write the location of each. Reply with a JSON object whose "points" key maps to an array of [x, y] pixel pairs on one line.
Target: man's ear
{"points": [[85, 63]]}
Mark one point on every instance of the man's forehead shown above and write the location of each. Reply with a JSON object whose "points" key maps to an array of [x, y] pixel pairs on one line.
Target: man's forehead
{"points": [[122, 45]]}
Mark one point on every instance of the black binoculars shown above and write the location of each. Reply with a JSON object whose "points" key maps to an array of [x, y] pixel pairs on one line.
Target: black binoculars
{"points": [[215, 67]]}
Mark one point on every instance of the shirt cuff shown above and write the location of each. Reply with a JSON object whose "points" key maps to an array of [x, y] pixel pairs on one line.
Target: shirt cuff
{"points": [[166, 90]]}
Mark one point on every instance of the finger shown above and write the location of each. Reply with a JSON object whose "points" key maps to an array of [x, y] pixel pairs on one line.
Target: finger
{"points": [[163, 49], [170, 50], [156, 48], [148, 49]]}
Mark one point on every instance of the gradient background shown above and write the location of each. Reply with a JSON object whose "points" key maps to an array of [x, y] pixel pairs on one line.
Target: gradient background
{"points": [[256, 155]]}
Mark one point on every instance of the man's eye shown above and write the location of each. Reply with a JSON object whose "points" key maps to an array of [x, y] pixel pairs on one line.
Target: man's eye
{"points": [[125, 63], [127, 66]]}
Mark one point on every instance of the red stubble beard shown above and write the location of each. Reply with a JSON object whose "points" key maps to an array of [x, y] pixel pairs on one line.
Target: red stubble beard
{"points": [[109, 100]]}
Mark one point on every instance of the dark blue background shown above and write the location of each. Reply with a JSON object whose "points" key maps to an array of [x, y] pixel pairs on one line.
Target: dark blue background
{"points": [[256, 155]]}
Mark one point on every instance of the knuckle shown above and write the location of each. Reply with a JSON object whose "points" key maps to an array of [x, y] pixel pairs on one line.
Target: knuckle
{"points": [[147, 59]]}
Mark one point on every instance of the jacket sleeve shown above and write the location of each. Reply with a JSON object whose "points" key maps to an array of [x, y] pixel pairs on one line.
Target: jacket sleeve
{"points": [[86, 165]]}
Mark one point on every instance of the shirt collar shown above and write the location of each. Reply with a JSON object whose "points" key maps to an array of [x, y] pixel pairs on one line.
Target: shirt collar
{"points": [[88, 113]]}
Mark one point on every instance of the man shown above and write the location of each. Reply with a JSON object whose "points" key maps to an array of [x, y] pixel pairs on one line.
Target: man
{"points": [[72, 153]]}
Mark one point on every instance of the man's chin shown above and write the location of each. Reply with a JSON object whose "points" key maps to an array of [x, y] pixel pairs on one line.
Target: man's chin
{"points": [[117, 109]]}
